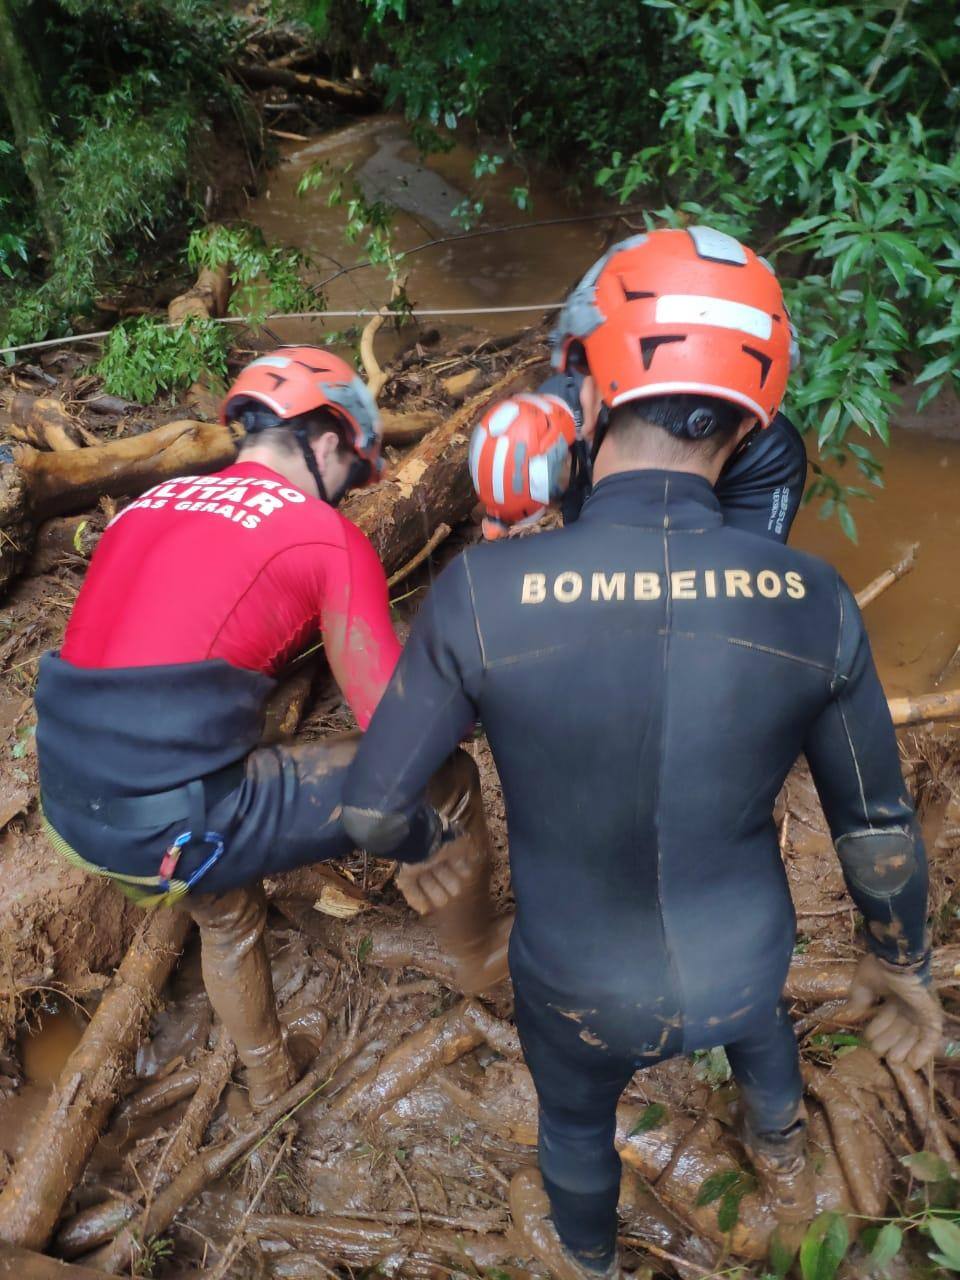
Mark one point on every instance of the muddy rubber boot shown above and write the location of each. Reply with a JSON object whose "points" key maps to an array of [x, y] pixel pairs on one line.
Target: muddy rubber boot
{"points": [[466, 925], [236, 973], [785, 1175], [533, 1226]]}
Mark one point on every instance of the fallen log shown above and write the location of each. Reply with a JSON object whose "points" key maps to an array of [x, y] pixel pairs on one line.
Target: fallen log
{"points": [[205, 300], [888, 578], [43, 422], [352, 97], [928, 706], [36, 485], [65, 539], [65, 483], [432, 485], [65, 1132], [407, 428]]}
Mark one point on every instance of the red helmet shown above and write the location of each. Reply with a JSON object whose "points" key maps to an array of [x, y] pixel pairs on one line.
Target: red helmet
{"points": [[517, 455], [295, 380], [678, 313]]}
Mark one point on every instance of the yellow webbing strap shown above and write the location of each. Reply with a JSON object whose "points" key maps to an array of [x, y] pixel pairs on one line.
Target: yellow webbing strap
{"points": [[136, 888]]}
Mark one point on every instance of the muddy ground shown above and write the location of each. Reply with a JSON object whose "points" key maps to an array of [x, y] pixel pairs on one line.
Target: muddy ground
{"points": [[406, 1168]]}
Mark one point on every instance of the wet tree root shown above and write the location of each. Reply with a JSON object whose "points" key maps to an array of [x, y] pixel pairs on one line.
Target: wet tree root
{"points": [[65, 1132], [441, 1041], [100, 1223], [23, 1264], [347, 1241]]}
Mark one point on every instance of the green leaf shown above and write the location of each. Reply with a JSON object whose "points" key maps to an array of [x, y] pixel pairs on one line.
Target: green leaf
{"points": [[944, 1261], [927, 1167], [729, 1212], [824, 1247], [887, 1245], [364, 948], [946, 1236], [936, 368], [715, 1186], [650, 1117], [780, 1256], [849, 527]]}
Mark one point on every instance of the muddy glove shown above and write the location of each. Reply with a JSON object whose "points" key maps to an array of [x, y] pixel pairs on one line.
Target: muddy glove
{"points": [[910, 1022], [452, 886], [446, 876]]}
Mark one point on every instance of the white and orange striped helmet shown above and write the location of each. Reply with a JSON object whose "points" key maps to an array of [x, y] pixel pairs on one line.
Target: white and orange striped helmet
{"points": [[681, 312], [518, 455]]}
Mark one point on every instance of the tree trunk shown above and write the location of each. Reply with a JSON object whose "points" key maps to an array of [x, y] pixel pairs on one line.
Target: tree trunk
{"points": [[21, 93]]}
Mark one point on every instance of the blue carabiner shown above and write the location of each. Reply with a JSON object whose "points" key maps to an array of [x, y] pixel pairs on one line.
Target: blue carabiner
{"points": [[173, 853]]}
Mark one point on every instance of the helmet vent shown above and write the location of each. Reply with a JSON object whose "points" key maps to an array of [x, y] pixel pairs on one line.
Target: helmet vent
{"points": [[648, 346], [764, 361], [635, 295]]}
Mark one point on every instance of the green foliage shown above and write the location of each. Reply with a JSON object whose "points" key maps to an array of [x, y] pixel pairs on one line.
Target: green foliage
{"points": [[835, 130], [144, 357], [266, 277], [925, 1166], [824, 1247], [946, 1236], [560, 80], [712, 1066], [369, 222], [129, 90]]}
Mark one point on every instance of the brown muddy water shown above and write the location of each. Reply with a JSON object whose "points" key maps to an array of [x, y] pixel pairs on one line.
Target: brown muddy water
{"points": [[915, 627]]}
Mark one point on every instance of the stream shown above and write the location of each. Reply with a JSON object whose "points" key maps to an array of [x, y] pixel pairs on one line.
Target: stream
{"points": [[914, 627]]}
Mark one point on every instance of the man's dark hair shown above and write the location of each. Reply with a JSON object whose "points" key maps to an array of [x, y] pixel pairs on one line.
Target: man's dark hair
{"points": [[694, 424], [262, 425]]}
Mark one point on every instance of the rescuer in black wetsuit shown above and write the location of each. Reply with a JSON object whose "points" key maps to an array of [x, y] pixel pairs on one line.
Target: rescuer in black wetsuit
{"points": [[760, 488], [646, 678]]}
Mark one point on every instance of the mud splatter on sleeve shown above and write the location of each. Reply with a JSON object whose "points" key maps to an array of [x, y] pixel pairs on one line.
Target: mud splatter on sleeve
{"points": [[430, 703], [853, 756], [358, 634]]}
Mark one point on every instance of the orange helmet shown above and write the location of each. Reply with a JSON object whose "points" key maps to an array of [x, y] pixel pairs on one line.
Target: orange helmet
{"points": [[681, 312], [517, 455], [292, 381]]}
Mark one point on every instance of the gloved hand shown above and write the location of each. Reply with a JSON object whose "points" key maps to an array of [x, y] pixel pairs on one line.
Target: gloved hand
{"points": [[452, 886], [909, 1025], [446, 876]]}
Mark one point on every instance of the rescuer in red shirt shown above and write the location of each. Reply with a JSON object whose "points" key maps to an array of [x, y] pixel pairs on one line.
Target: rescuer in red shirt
{"points": [[149, 717]]}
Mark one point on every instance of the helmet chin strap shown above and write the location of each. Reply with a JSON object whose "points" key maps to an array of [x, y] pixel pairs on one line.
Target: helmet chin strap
{"points": [[357, 473], [303, 440]]}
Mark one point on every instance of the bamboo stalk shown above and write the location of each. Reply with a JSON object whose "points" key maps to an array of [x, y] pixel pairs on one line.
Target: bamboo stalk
{"points": [[927, 706], [886, 579]]}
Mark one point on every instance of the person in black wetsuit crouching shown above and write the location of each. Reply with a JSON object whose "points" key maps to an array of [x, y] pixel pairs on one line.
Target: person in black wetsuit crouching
{"points": [[647, 678]]}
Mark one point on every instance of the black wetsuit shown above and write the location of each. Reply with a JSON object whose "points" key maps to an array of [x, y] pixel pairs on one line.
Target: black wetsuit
{"points": [[646, 678], [759, 489]]}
